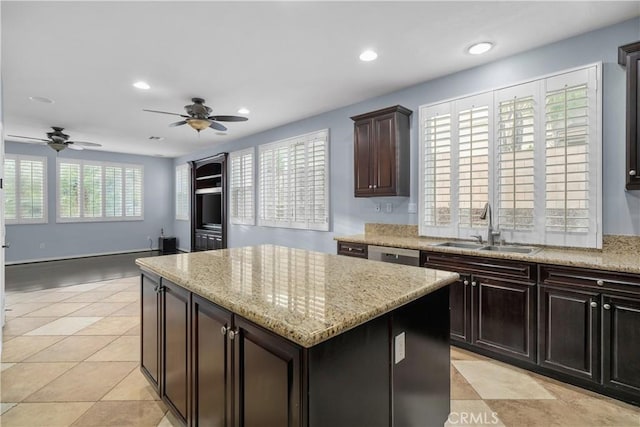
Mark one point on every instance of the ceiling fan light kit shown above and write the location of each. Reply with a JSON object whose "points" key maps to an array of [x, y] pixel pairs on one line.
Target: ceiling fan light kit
{"points": [[59, 140]]}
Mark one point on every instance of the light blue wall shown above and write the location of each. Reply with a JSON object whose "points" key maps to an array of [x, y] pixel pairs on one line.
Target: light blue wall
{"points": [[621, 210], [77, 239]]}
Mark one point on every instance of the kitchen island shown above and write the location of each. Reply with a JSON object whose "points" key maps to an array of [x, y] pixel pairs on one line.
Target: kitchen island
{"points": [[275, 336]]}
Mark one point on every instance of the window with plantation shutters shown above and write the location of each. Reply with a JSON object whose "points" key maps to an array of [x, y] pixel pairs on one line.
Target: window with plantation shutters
{"points": [[98, 191], [25, 189], [182, 192], [242, 188], [531, 150], [293, 189]]}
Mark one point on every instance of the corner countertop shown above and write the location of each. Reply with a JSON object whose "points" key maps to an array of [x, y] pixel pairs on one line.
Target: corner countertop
{"points": [[626, 260], [306, 297]]}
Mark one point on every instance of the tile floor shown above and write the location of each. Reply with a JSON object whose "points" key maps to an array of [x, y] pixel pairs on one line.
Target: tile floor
{"points": [[70, 358]]}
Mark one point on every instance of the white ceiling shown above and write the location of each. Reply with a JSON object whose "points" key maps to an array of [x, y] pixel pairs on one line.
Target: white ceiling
{"points": [[283, 60]]}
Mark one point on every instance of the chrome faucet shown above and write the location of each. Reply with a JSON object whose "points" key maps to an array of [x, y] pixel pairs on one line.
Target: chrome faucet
{"points": [[491, 234]]}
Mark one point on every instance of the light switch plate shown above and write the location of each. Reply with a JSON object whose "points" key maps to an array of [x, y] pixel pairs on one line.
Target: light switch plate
{"points": [[389, 207], [399, 348]]}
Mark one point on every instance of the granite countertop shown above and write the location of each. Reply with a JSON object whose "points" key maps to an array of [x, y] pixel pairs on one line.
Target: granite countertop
{"points": [[615, 257], [306, 297]]}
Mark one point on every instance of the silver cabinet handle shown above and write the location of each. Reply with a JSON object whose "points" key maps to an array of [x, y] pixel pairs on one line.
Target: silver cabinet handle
{"points": [[632, 172], [370, 186], [223, 330], [594, 304], [375, 186], [233, 334], [600, 283], [473, 283], [606, 306], [466, 282], [350, 249]]}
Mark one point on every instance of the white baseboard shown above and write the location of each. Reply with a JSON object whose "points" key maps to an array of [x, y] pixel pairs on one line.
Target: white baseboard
{"points": [[29, 261]]}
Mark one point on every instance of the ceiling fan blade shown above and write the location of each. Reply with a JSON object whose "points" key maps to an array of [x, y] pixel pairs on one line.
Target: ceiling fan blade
{"points": [[165, 112], [84, 143], [172, 125], [228, 118], [217, 126], [75, 147], [28, 137]]}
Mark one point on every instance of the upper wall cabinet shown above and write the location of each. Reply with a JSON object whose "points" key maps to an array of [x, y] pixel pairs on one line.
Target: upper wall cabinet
{"points": [[629, 56], [381, 152]]}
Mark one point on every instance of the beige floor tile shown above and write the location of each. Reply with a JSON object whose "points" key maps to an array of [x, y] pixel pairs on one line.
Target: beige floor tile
{"points": [[169, 420], [83, 287], [461, 354], [123, 349], [460, 387], [12, 298], [135, 331], [110, 326], [471, 413], [492, 381], [132, 309], [54, 296], [119, 414], [4, 407], [4, 367], [64, 326], [6, 338], [22, 325], [85, 382], [19, 348], [22, 308], [134, 387], [23, 379], [45, 414], [123, 296], [99, 309], [57, 309], [75, 348], [91, 296]]}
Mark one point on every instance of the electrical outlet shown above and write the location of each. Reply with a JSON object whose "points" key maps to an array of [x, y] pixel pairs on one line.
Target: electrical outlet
{"points": [[376, 207], [42, 245], [389, 207]]}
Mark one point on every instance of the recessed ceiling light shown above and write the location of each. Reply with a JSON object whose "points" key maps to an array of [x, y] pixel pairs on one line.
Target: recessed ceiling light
{"points": [[368, 55], [244, 111], [156, 138], [142, 85], [221, 133], [480, 48], [41, 99]]}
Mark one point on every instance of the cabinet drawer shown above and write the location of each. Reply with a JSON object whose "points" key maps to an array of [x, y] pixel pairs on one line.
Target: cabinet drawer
{"points": [[593, 279], [477, 265], [358, 250]]}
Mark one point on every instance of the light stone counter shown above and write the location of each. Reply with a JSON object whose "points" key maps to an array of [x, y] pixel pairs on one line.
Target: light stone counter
{"points": [[306, 297], [621, 254]]}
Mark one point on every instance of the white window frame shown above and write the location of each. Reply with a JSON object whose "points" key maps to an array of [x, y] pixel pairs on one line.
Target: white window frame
{"points": [[249, 219], [287, 143], [182, 185], [45, 190], [103, 217], [539, 235]]}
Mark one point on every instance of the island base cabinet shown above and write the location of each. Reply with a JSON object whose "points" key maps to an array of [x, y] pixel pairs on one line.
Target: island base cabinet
{"points": [[150, 328], [621, 344]]}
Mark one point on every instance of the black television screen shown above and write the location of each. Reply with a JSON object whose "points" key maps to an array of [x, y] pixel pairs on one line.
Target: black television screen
{"points": [[211, 209]]}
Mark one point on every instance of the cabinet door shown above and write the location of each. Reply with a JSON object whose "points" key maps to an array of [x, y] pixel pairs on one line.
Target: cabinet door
{"points": [[211, 364], [629, 56], [568, 331], [362, 158], [175, 354], [503, 317], [460, 309], [384, 155], [150, 328], [621, 343], [201, 242], [266, 378]]}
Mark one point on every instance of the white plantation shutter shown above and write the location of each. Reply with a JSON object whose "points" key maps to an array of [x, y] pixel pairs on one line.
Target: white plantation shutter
{"points": [[25, 189], [97, 191], [474, 120], [182, 192], [293, 182], [539, 168], [242, 190]]}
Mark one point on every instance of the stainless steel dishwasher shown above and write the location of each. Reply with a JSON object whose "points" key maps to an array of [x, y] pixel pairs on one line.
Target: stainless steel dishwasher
{"points": [[394, 255]]}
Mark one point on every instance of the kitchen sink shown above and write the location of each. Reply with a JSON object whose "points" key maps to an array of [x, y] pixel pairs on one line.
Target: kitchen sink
{"points": [[461, 245], [512, 249]]}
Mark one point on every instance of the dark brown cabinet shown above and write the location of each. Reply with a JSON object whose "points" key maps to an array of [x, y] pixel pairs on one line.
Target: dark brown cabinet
{"points": [[208, 207], [357, 250], [492, 306], [150, 328], [381, 152], [629, 56]]}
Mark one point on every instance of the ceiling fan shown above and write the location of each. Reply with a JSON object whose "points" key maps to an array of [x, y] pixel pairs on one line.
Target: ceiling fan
{"points": [[199, 118], [59, 141]]}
